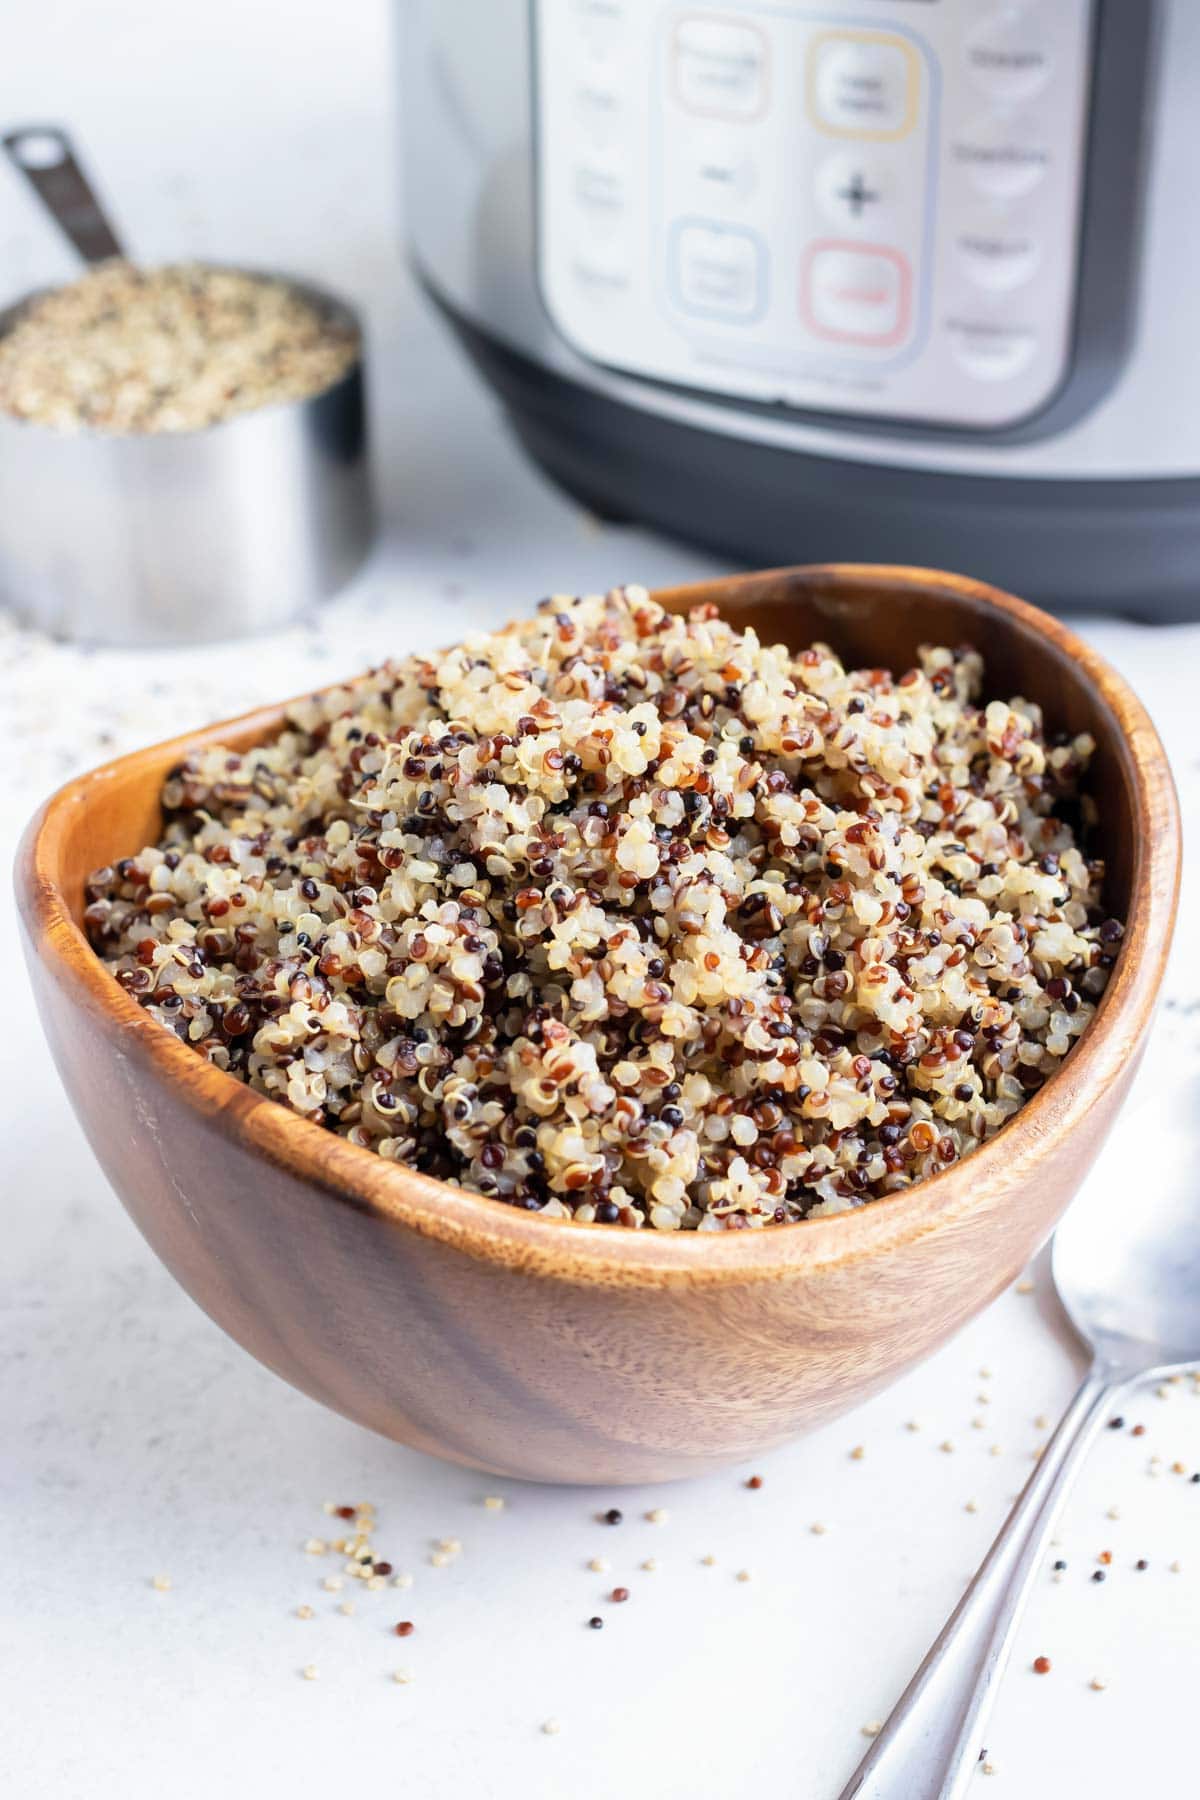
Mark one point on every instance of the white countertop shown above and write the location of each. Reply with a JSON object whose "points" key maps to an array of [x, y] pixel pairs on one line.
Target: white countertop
{"points": [[136, 1439]]}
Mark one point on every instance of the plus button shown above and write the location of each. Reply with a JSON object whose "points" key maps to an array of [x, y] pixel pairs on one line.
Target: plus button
{"points": [[857, 194]]}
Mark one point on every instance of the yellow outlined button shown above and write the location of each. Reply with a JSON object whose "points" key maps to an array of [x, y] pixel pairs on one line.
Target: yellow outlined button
{"points": [[862, 84]]}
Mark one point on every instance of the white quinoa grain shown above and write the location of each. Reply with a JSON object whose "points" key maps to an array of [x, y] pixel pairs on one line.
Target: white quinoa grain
{"points": [[161, 1582]]}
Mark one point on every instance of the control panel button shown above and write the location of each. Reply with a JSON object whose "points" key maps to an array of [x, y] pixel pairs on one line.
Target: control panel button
{"points": [[998, 260], [715, 163], [1008, 56], [990, 350], [862, 84], [1000, 157], [599, 24], [598, 188], [720, 67], [599, 113], [719, 270], [857, 193], [599, 273], [856, 293]]}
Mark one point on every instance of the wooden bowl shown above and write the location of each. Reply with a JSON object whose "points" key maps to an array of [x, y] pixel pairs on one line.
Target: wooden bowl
{"points": [[579, 1353]]}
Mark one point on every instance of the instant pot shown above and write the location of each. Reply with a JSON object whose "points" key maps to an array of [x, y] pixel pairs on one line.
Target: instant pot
{"points": [[897, 280]]}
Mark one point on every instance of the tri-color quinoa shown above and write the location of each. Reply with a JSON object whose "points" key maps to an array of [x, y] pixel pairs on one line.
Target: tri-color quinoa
{"points": [[178, 348], [631, 917]]}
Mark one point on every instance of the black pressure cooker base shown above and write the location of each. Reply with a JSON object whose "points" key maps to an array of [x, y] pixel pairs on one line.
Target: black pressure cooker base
{"points": [[1128, 547]]}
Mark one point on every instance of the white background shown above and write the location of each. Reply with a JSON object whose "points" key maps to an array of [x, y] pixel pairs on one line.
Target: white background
{"points": [[134, 1438]]}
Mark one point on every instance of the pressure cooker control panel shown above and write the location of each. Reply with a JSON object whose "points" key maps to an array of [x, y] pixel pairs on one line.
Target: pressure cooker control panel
{"points": [[863, 207]]}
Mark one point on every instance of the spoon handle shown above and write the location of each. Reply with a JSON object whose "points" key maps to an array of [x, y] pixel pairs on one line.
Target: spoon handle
{"points": [[933, 1740]]}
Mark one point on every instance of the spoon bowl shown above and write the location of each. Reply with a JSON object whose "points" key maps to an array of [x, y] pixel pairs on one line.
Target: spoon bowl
{"points": [[1126, 1256]]}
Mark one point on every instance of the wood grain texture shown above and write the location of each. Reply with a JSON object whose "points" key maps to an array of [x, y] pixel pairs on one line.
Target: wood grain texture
{"points": [[577, 1353]]}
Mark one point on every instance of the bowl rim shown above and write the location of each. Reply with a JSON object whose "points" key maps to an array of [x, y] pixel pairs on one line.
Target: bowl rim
{"points": [[485, 1229]]}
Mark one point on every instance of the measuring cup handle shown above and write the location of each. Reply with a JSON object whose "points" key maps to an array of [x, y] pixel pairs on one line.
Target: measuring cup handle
{"points": [[45, 156]]}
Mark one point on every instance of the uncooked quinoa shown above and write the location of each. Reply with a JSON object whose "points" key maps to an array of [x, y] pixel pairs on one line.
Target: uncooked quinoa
{"points": [[632, 917], [129, 350]]}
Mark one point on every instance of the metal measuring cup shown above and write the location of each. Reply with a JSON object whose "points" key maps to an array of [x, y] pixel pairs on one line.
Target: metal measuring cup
{"points": [[176, 537]]}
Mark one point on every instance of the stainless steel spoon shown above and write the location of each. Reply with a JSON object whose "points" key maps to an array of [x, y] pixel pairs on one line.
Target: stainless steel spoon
{"points": [[1126, 1264]]}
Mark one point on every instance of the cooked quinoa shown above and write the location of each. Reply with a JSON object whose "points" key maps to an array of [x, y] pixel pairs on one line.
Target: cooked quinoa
{"points": [[631, 917], [129, 350]]}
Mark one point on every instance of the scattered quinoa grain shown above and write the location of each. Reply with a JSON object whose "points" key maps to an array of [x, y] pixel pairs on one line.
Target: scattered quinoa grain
{"points": [[658, 1515], [599, 1565], [872, 1729], [347, 1608], [1097, 1684], [649, 1565], [309, 1671], [304, 1611], [315, 1546], [405, 1628], [743, 1575], [161, 1582], [402, 1581], [402, 1676], [494, 1502], [551, 1728], [1041, 1665], [818, 1530], [596, 1622], [755, 1482], [613, 1516], [620, 1595], [857, 1454]]}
